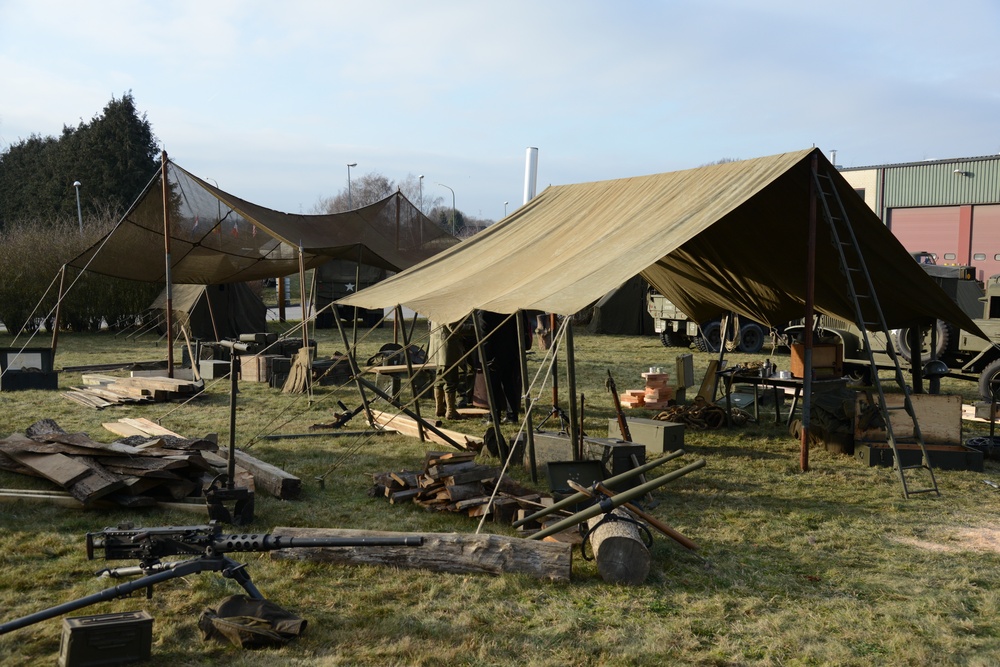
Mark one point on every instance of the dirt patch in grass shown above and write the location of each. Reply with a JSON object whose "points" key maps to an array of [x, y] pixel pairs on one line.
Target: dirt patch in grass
{"points": [[963, 538]]}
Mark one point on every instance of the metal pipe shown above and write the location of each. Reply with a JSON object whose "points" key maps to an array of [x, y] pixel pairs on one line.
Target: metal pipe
{"points": [[617, 501], [610, 482]]}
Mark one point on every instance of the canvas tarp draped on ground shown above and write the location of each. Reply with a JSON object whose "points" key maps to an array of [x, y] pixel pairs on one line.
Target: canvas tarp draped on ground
{"points": [[218, 238], [726, 237]]}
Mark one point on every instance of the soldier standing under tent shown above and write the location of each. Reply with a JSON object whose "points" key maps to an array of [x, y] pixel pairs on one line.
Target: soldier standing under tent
{"points": [[445, 350], [503, 356]]}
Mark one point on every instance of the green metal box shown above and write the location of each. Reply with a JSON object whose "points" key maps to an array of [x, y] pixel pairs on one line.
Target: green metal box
{"points": [[657, 436], [943, 457], [106, 639]]}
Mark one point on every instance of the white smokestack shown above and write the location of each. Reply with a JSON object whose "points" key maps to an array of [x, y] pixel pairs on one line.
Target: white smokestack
{"points": [[530, 173]]}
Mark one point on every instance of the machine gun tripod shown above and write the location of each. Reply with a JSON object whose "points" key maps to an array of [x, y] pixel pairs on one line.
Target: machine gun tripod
{"points": [[207, 547]]}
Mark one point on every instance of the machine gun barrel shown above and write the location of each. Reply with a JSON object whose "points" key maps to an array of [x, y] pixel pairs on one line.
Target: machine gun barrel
{"points": [[204, 543]]}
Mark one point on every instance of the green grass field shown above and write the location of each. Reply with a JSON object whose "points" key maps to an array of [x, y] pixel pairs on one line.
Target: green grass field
{"points": [[827, 567]]}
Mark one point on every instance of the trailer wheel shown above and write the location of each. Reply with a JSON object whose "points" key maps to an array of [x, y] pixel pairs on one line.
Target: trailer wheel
{"points": [[710, 338], [943, 338], [989, 381], [751, 338]]}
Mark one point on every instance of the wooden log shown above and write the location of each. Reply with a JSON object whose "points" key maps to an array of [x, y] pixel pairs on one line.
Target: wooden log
{"points": [[621, 555], [441, 552], [267, 477]]}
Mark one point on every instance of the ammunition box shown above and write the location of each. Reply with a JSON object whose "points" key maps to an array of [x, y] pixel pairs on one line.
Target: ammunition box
{"points": [[656, 435], [106, 639]]}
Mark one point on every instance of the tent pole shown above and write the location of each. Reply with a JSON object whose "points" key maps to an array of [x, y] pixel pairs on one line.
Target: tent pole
{"points": [[555, 367], [526, 392], [167, 277], [207, 295], [574, 435], [304, 307], [409, 375], [807, 342], [355, 371], [357, 286], [55, 326]]}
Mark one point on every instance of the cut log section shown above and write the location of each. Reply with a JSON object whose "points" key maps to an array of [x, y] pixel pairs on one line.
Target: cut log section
{"points": [[621, 555], [441, 552]]}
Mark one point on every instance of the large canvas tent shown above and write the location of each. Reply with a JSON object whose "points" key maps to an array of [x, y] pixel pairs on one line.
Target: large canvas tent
{"points": [[726, 237], [217, 237]]}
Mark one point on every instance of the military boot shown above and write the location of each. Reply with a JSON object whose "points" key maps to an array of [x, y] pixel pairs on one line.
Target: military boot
{"points": [[439, 402], [451, 401]]}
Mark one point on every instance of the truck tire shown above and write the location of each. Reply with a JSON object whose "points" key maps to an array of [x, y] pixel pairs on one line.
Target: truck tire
{"points": [[751, 339], [902, 341], [989, 379], [710, 338], [674, 339]]}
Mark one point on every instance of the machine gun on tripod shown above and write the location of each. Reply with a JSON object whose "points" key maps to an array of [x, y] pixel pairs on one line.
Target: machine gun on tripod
{"points": [[207, 547]]}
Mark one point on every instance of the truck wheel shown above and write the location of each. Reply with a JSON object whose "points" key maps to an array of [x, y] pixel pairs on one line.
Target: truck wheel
{"points": [[989, 380], [674, 339], [751, 339], [711, 337], [943, 338]]}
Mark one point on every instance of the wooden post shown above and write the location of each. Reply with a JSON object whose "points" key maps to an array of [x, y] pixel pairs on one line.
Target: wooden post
{"points": [[574, 429], [409, 375], [167, 276], [807, 342], [55, 326], [525, 391]]}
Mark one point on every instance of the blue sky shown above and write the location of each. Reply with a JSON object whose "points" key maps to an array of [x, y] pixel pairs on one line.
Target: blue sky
{"points": [[273, 99]]}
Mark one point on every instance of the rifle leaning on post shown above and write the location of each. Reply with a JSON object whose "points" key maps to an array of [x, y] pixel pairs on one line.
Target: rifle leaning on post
{"points": [[622, 421], [206, 544]]}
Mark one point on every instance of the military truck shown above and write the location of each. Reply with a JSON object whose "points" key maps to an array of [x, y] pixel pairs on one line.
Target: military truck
{"points": [[676, 329]]}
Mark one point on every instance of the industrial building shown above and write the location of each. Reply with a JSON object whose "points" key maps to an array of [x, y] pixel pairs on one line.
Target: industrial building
{"points": [[950, 208]]}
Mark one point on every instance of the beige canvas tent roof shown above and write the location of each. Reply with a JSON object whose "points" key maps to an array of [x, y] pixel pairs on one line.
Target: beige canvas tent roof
{"points": [[731, 236], [217, 237]]}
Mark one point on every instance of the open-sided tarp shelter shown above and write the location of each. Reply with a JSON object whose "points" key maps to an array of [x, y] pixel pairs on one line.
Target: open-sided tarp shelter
{"points": [[727, 237], [216, 237], [215, 312]]}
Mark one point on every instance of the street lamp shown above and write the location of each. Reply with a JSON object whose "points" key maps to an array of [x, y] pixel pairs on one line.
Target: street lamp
{"points": [[79, 213], [350, 205], [505, 209], [420, 180], [452, 208]]}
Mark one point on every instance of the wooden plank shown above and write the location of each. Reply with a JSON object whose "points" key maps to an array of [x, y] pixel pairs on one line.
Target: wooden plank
{"points": [[267, 477], [98, 483], [118, 428], [64, 499], [441, 552], [408, 426], [149, 427], [58, 468]]}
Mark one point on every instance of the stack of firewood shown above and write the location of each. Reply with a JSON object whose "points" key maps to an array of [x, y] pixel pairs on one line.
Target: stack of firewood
{"points": [[454, 482]]}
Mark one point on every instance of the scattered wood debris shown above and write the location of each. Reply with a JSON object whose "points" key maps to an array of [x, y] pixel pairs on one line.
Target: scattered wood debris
{"points": [[136, 471], [101, 391], [455, 482]]}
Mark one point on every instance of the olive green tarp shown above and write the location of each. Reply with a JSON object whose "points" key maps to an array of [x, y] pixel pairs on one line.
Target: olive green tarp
{"points": [[726, 237], [216, 237], [214, 312]]}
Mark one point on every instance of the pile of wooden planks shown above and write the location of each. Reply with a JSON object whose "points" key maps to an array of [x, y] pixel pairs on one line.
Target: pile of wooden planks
{"points": [[454, 482], [101, 391], [136, 471]]}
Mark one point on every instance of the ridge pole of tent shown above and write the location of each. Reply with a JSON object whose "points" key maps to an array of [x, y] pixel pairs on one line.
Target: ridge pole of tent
{"points": [[526, 392], [807, 342], [167, 277], [574, 435], [55, 326]]}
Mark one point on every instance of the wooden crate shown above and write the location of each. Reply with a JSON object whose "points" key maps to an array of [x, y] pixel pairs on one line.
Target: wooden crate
{"points": [[256, 367], [827, 360], [939, 417]]}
